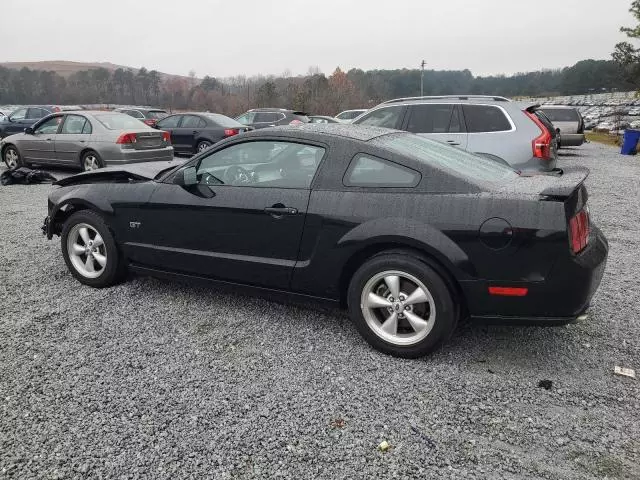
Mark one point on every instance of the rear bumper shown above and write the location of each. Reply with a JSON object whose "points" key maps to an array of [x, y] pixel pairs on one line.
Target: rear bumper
{"points": [[131, 156], [561, 298], [571, 139]]}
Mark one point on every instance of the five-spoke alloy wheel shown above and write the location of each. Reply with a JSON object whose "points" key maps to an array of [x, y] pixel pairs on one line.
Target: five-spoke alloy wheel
{"points": [[90, 251], [11, 157], [401, 304], [87, 250]]}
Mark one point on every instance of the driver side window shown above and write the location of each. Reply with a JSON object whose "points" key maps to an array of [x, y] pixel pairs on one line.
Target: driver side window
{"points": [[49, 126], [262, 164]]}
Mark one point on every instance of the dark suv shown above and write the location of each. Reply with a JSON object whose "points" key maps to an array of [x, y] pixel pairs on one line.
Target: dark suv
{"points": [[271, 117], [24, 117]]}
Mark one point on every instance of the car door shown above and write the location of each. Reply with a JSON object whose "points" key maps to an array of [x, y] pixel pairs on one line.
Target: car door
{"points": [[185, 134], [39, 147], [438, 121], [241, 222], [170, 124], [74, 136], [16, 122], [490, 131]]}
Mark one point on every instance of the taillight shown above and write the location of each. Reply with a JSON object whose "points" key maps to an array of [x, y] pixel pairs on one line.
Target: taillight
{"points": [[127, 139], [579, 231], [166, 137], [229, 132], [541, 145]]}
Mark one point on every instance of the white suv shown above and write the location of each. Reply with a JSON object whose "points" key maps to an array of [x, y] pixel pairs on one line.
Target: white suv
{"points": [[517, 134]]}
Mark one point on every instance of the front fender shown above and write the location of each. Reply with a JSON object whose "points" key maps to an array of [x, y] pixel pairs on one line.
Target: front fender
{"points": [[415, 234]]}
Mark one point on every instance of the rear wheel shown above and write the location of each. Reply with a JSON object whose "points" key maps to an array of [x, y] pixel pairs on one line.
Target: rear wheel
{"points": [[90, 251], [91, 161], [12, 157], [202, 146], [401, 306]]}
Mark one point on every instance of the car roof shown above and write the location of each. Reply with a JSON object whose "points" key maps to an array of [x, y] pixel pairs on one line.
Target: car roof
{"points": [[314, 131], [449, 98]]}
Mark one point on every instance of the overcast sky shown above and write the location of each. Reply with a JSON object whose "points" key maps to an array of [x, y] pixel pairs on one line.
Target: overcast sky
{"points": [[225, 38]]}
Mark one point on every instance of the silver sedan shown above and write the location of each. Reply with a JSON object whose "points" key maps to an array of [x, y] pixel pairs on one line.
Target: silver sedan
{"points": [[86, 140]]}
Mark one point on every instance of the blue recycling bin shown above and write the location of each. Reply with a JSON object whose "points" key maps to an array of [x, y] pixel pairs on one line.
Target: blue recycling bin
{"points": [[630, 142]]}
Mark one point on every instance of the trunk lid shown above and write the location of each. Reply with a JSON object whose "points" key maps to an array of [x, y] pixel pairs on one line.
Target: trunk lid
{"points": [[146, 139], [554, 185]]}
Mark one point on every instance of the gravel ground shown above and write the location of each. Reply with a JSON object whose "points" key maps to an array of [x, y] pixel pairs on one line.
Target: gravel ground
{"points": [[154, 379]]}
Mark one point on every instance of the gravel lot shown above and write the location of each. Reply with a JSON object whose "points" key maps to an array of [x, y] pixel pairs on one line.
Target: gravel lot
{"points": [[154, 379]]}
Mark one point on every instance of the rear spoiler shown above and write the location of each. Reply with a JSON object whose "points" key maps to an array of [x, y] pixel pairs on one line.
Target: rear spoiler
{"points": [[565, 184]]}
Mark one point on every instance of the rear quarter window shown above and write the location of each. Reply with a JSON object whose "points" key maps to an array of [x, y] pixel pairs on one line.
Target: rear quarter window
{"points": [[369, 171], [485, 119]]}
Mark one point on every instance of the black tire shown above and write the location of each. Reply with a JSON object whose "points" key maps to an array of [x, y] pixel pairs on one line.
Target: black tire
{"points": [[7, 151], [115, 267], [202, 146], [90, 157], [446, 311]]}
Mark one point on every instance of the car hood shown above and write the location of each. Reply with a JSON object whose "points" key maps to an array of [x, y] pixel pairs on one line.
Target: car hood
{"points": [[12, 138], [131, 172]]}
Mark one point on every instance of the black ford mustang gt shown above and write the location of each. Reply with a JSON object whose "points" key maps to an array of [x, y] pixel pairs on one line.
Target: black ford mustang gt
{"points": [[409, 234]]}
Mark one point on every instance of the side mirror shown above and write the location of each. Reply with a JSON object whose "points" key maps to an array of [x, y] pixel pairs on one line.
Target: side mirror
{"points": [[186, 177], [28, 130]]}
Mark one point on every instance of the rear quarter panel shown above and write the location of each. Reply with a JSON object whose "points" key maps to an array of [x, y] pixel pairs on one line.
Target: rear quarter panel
{"points": [[443, 226]]}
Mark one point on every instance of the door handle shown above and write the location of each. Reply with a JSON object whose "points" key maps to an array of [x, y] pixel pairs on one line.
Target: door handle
{"points": [[195, 132], [48, 139], [452, 142], [82, 141], [280, 211]]}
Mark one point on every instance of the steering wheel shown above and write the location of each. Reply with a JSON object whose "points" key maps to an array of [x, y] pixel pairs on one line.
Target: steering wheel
{"points": [[235, 175]]}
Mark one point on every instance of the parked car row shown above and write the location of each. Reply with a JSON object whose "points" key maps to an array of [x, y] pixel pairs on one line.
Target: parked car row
{"points": [[522, 136], [87, 140]]}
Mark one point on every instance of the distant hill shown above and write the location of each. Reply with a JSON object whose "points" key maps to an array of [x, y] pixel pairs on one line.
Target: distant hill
{"points": [[66, 68]]}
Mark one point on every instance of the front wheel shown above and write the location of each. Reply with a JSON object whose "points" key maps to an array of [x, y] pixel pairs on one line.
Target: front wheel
{"points": [[12, 157], [90, 251], [401, 306]]}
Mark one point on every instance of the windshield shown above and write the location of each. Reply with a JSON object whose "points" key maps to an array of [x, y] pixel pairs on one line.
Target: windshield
{"points": [[448, 158], [156, 114], [561, 114], [120, 121], [223, 121]]}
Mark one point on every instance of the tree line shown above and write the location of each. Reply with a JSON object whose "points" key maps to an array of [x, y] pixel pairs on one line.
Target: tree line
{"points": [[314, 92]]}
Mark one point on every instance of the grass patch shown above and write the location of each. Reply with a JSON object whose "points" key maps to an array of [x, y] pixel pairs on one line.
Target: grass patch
{"points": [[603, 137]]}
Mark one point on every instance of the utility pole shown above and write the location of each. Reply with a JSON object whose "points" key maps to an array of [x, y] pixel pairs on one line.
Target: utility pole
{"points": [[422, 78]]}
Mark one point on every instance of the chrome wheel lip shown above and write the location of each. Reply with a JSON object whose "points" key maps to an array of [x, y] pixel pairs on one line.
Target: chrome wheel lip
{"points": [[373, 321], [88, 258], [11, 157], [90, 163]]}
